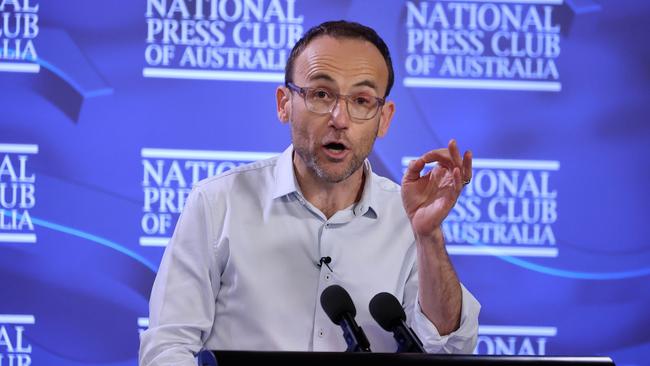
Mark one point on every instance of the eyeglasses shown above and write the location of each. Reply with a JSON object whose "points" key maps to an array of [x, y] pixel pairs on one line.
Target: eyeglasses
{"points": [[323, 101]]}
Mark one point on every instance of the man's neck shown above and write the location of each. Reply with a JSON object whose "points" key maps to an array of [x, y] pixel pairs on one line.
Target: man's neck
{"points": [[328, 197]]}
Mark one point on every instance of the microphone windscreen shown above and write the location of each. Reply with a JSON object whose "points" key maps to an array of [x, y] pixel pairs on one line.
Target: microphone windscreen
{"points": [[336, 302], [387, 310]]}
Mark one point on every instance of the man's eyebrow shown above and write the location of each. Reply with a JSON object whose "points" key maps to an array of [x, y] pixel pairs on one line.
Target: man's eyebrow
{"points": [[321, 76], [369, 83]]}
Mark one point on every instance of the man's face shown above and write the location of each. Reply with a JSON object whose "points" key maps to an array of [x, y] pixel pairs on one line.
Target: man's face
{"points": [[333, 146]]}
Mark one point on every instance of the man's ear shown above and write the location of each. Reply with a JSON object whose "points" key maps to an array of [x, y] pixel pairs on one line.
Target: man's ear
{"points": [[385, 117], [283, 101]]}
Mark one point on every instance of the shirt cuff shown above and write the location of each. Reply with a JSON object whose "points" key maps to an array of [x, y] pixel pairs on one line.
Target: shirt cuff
{"points": [[462, 340]]}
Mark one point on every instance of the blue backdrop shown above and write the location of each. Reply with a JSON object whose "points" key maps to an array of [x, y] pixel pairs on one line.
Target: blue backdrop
{"points": [[110, 110]]}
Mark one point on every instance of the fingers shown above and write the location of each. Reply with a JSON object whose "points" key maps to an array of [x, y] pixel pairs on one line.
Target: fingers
{"points": [[437, 174], [448, 158], [441, 176], [413, 170], [454, 153], [441, 156], [467, 166], [464, 164], [458, 180]]}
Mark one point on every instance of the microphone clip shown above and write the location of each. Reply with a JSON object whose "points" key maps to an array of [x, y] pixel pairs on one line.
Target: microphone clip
{"points": [[326, 261]]}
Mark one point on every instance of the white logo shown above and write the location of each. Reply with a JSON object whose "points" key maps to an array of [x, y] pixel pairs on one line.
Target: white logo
{"points": [[18, 29], [17, 193], [509, 208], [479, 44], [168, 175], [220, 39], [513, 340], [13, 344]]}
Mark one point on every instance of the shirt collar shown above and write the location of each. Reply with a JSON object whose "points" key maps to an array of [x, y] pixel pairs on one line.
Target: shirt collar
{"points": [[285, 177], [286, 183], [366, 205]]}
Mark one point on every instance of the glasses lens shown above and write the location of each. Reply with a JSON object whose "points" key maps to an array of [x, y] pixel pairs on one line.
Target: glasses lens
{"points": [[362, 106], [320, 100]]}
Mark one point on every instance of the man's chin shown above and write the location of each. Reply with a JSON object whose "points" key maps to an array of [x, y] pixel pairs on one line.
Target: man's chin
{"points": [[335, 179], [335, 174]]}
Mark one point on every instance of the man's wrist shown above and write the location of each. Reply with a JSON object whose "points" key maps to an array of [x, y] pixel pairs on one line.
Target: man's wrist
{"points": [[433, 238]]}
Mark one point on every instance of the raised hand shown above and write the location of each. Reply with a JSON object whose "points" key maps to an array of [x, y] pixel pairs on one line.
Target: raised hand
{"points": [[428, 199]]}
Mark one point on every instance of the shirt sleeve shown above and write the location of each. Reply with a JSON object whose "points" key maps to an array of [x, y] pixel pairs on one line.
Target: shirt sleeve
{"points": [[182, 303], [461, 341]]}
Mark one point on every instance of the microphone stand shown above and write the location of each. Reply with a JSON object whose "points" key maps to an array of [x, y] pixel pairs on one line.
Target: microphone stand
{"points": [[354, 336], [407, 340]]}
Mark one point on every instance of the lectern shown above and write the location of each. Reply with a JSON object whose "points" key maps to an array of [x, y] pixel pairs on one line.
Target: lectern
{"points": [[232, 358]]}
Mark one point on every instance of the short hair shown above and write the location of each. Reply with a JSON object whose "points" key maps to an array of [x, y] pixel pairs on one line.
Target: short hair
{"points": [[340, 29]]}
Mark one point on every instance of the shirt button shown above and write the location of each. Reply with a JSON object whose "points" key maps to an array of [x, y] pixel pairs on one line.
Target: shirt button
{"points": [[327, 277], [321, 333]]}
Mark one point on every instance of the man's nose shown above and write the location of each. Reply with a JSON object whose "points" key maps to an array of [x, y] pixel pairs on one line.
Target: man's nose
{"points": [[340, 117]]}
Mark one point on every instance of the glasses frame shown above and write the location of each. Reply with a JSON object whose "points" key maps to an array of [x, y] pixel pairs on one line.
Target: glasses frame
{"points": [[302, 91]]}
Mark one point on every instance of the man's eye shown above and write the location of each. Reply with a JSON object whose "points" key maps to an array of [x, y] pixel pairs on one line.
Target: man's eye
{"points": [[321, 94], [362, 100]]}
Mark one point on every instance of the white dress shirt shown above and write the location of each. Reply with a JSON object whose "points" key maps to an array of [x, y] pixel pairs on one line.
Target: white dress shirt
{"points": [[241, 273]]}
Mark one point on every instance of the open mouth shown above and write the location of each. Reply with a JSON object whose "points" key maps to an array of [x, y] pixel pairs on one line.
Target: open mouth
{"points": [[335, 146]]}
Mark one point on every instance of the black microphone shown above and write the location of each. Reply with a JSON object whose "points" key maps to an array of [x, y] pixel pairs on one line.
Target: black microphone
{"points": [[339, 307], [326, 261], [388, 312]]}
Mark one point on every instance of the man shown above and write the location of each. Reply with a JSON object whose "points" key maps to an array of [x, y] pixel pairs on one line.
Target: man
{"points": [[242, 270]]}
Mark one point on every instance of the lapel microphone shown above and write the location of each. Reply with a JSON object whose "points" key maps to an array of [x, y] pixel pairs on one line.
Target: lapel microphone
{"points": [[326, 261]]}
